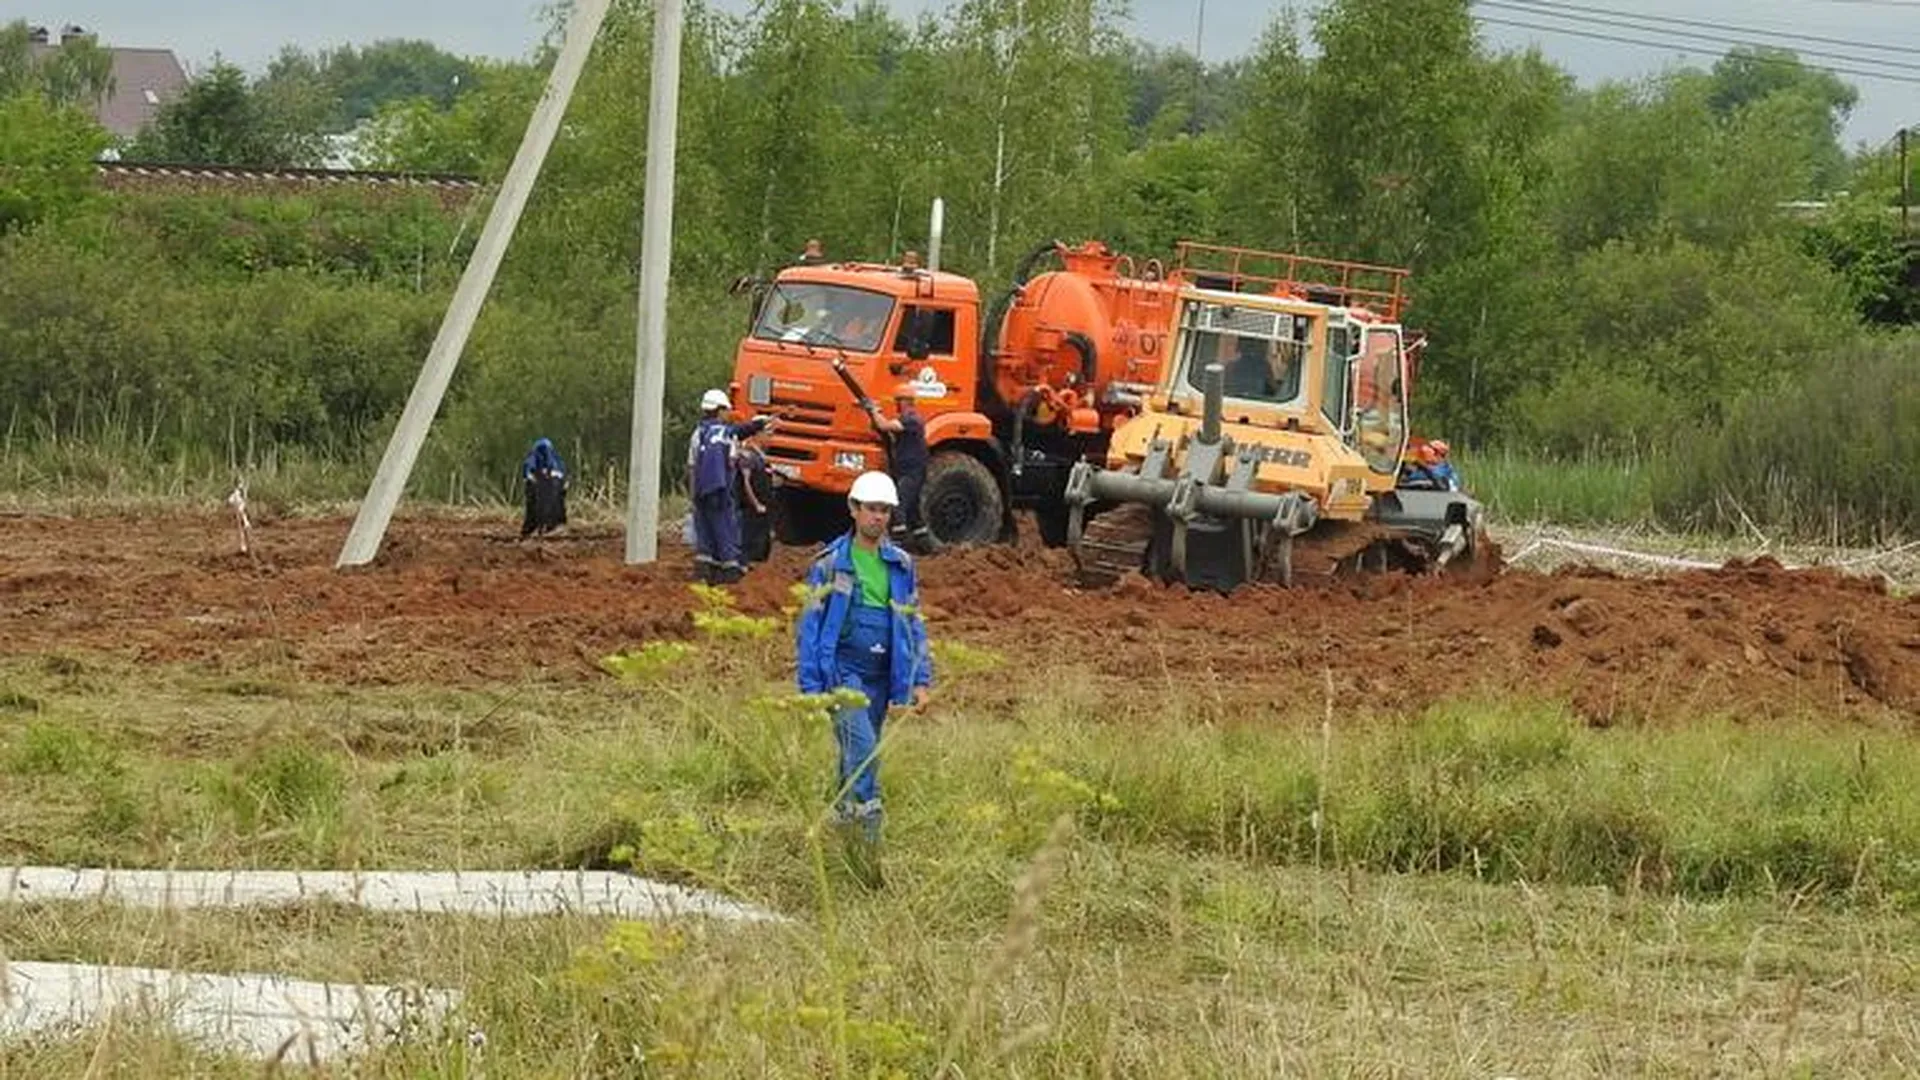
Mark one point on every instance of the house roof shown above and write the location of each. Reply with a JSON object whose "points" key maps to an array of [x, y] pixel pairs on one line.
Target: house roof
{"points": [[451, 190], [143, 80]]}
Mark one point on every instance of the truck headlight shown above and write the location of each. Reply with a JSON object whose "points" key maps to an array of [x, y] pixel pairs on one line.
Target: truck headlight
{"points": [[850, 460]]}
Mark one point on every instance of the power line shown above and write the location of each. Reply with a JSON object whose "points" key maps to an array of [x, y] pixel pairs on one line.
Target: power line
{"points": [[1554, 7], [1675, 46], [1715, 39]]}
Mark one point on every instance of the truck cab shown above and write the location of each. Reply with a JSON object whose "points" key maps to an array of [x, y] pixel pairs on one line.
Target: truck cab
{"points": [[884, 326]]}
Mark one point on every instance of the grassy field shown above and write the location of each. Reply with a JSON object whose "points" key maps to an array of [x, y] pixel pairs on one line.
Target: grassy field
{"points": [[1101, 880], [1594, 491]]}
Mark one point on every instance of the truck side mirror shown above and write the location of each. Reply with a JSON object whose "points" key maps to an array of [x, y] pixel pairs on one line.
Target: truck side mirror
{"points": [[919, 334]]}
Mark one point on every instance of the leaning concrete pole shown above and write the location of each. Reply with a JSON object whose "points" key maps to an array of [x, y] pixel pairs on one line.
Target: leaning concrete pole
{"points": [[656, 257], [403, 449]]}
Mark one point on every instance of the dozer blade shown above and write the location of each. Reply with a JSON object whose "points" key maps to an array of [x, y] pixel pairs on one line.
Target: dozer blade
{"points": [[1441, 527], [1409, 532]]}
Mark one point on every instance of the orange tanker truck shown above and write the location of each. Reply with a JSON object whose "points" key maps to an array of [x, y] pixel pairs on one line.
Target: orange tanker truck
{"points": [[1188, 420]]}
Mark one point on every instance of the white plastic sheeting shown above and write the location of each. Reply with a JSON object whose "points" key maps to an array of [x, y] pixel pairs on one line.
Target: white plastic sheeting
{"points": [[453, 892], [263, 1016]]}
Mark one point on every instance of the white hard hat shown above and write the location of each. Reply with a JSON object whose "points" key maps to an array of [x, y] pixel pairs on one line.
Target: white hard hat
{"points": [[714, 399], [874, 487]]}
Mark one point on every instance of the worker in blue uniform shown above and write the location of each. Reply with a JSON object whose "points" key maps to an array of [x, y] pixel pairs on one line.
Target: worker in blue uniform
{"points": [[710, 470], [1431, 469], [906, 461], [545, 477], [862, 629]]}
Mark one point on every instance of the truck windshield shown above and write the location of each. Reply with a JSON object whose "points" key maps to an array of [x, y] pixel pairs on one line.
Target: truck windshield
{"points": [[833, 315], [1263, 351]]}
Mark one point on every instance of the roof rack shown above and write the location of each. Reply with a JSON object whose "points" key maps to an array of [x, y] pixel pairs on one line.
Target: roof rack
{"points": [[1352, 284]]}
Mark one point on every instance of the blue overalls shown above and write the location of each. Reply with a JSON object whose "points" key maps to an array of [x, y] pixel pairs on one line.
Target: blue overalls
{"points": [[909, 466], [863, 662], [716, 516]]}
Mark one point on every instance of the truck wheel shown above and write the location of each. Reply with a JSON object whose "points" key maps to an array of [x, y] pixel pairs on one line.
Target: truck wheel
{"points": [[960, 502]]}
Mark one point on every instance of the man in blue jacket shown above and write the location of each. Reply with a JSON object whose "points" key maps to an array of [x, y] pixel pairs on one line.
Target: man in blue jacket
{"points": [[907, 461], [1430, 469], [545, 476], [716, 516], [861, 628]]}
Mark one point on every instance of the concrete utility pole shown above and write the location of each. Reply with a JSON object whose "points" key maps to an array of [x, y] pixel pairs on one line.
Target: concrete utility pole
{"points": [[403, 449], [1906, 182], [656, 261], [1199, 69]]}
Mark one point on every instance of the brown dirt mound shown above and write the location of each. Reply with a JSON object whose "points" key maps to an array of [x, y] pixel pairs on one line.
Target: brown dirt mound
{"points": [[460, 601]]}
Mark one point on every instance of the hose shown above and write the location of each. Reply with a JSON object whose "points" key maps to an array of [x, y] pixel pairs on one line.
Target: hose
{"points": [[996, 315], [1089, 358], [1028, 402]]}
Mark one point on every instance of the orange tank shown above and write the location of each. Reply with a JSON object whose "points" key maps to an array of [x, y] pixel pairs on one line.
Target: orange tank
{"points": [[1092, 334]]}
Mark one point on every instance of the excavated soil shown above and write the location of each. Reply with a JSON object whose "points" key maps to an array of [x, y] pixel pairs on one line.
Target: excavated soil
{"points": [[460, 601]]}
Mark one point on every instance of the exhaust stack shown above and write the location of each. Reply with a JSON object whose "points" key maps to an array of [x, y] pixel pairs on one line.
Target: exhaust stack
{"points": [[935, 228], [1214, 378]]}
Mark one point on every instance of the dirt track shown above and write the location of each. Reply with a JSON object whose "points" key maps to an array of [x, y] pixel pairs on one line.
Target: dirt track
{"points": [[458, 601]]}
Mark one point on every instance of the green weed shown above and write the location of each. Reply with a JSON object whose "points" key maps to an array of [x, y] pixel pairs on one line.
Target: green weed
{"points": [[54, 749]]}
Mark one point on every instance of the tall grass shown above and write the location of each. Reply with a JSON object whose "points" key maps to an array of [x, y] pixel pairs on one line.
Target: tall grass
{"points": [[106, 459], [110, 457], [1836, 456], [1594, 489], [1495, 791], [1076, 885]]}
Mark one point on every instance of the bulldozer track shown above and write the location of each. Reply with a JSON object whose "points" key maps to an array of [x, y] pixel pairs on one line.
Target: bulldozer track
{"points": [[1332, 550], [1113, 545]]}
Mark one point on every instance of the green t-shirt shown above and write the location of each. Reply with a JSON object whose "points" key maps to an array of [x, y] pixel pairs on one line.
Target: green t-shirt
{"points": [[871, 569]]}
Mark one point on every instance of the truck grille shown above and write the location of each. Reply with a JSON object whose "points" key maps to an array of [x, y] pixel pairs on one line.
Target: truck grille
{"points": [[797, 416]]}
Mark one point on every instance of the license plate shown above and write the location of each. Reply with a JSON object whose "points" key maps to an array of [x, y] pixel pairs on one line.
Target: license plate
{"points": [[791, 472]]}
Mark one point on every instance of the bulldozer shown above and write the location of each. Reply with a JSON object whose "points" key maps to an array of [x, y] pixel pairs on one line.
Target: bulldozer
{"points": [[1269, 449]]}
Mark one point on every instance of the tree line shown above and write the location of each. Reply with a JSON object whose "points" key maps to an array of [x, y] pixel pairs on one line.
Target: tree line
{"points": [[1608, 271]]}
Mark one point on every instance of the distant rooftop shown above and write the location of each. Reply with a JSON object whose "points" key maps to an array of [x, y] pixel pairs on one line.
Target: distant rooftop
{"points": [[143, 79]]}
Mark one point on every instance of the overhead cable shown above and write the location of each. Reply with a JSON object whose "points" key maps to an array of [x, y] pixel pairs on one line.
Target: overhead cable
{"points": [[1686, 47], [1715, 39], [1556, 7]]}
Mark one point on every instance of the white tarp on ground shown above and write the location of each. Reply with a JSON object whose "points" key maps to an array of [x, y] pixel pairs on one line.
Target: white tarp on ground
{"points": [[263, 1016], [468, 892]]}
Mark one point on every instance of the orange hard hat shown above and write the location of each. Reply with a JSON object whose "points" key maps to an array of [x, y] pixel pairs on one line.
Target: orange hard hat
{"points": [[1440, 447], [906, 391]]}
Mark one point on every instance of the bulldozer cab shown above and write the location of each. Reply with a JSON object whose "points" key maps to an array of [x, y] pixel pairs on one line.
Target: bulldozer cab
{"points": [[1296, 365], [1264, 352]]}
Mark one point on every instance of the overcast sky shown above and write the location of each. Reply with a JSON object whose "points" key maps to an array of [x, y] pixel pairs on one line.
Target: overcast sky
{"points": [[1863, 36]]}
